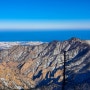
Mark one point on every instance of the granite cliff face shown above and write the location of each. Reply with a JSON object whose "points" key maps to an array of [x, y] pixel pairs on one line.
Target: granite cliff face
{"points": [[40, 67]]}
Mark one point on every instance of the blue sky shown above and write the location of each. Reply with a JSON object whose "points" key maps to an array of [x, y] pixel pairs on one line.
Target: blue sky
{"points": [[42, 18], [45, 9]]}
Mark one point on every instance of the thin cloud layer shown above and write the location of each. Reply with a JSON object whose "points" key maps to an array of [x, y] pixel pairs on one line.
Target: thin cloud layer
{"points": [[40, 25]]}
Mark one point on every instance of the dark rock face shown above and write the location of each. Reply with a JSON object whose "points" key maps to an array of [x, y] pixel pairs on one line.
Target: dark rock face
{"points": [[40, 67]]}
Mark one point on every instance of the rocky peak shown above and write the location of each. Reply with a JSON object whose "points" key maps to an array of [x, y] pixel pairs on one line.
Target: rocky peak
{"points": [[74, 39]]}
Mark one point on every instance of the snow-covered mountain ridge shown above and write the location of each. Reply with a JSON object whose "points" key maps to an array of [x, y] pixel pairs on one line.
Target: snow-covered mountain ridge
{"points": [[6, 45]]}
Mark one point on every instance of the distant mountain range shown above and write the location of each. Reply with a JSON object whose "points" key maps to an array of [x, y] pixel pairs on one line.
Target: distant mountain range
{"points": [[6, 45], [39, 66]]}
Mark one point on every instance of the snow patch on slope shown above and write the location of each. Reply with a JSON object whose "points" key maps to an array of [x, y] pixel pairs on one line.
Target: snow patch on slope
{"points": [[87, 41]]}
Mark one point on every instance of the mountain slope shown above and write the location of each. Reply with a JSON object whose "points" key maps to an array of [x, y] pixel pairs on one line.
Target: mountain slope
{"points": [[41, 66]]}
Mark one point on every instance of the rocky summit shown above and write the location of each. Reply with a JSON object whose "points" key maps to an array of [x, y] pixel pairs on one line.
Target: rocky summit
{"points": [[41, 66]]}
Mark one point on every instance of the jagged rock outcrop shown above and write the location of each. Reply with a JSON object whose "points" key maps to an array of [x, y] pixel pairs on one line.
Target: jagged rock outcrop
{"points": [[41, 66]]}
